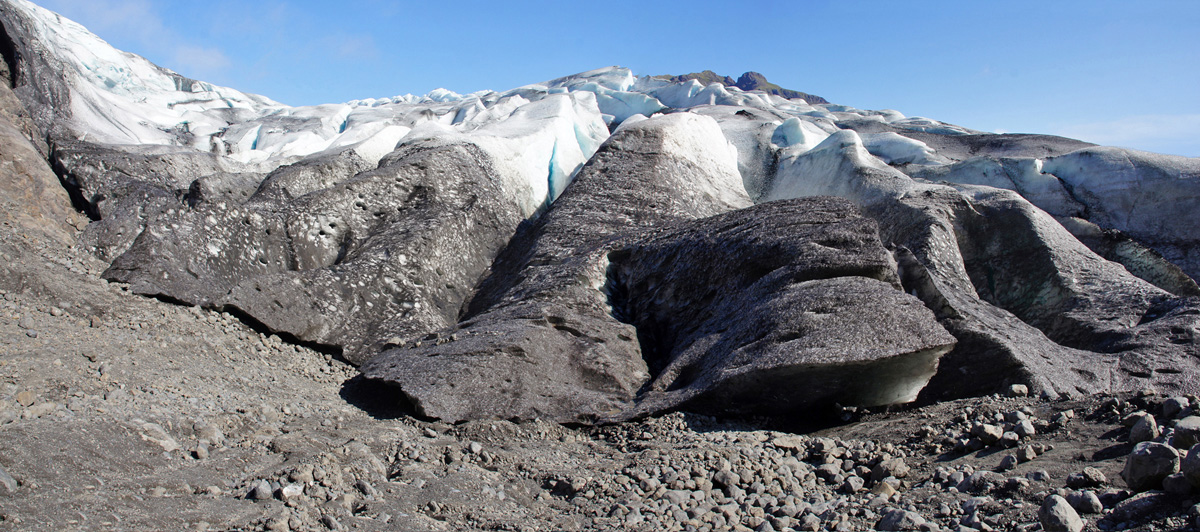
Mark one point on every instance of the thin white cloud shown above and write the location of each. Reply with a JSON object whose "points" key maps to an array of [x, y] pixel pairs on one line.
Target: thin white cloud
{"points": [[139, 21], [129, 18], [351, 46], [200, 62], [1177, 134]]}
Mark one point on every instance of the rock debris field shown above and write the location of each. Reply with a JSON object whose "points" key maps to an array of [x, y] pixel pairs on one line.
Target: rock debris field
{"points": [[124, 413]]}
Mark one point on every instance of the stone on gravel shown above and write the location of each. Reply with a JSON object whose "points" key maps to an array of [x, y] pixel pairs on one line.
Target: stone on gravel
{"points": [[291, 491], [260, 491], [988, 434], [892, 467], [1148, 464], [1173, 406], [1025, 429], [1187, 432], [1085, 502], [853, 484], [1141, 506], [1026, 454], [1056, 515], [1177, 484], [898, 519], [1090, 477], [1007, 463], [154, 433], [8, 484], [1038, 475], [1146, 429], [26, 398], [331, 522], [1190, 465]]}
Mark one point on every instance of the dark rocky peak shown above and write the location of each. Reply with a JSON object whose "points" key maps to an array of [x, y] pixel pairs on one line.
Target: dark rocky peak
{"points": [[749, 81]]}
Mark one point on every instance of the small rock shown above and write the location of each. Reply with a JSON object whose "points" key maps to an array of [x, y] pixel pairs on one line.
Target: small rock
{"points": [[1177, 484], [852, 485], [1190, 466], [1141, 505], [1026, 454], [893, 467], [260, 491], [366, 489], [884, 489], [1056, 515], [1187, 432], [988, 434], [1090, 477], [899, 520], [1007, 463], [1039, 475], [1148, 465], [1025, 429], [330, 522], [1146, 429], [1173, 406], [980, 482], [208, 433], [475, 448], [279, 524], [1132, 419], [809, 523], [1018, 390], [26, 398], [291, 491], [1085, 502], [8, 484], [154, 433], [430, 433], [726, 479]]}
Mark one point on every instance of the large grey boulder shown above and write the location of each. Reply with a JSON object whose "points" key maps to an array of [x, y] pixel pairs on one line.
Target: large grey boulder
{"points": [[1057, 515], [1148, 464]]}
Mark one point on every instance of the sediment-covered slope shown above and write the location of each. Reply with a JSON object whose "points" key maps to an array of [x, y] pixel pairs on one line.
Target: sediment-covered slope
{"points": [[603, 245]]}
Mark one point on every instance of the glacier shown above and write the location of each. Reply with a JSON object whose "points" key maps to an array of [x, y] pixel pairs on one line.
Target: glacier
{"points": [[607, 245]]}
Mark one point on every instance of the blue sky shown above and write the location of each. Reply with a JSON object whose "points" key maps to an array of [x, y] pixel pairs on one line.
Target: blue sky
{"points": [[1120, 73]]}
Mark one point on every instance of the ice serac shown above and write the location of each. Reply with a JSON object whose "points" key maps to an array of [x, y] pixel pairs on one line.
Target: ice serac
{"points": [[1152, 198]]}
